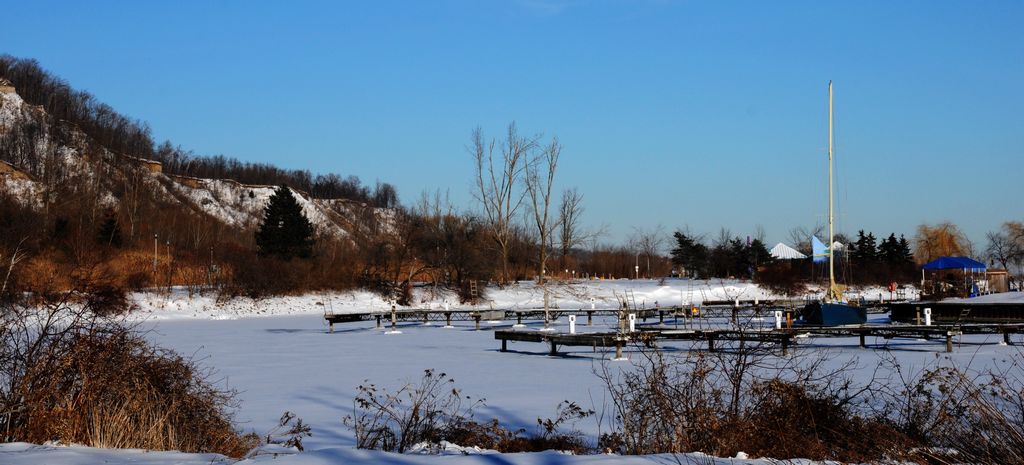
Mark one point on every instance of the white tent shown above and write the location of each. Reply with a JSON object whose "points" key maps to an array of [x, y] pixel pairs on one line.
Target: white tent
{"points": [[784, 252]]}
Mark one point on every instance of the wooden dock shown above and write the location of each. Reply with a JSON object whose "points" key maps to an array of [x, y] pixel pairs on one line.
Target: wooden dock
{"points": [[783, 338], [955, 312], [477, 315], [647, 337]]}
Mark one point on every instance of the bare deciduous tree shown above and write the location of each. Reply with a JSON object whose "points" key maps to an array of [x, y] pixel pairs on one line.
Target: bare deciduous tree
{"points": [[648, 242], [540, 180], [1007, 245], [496, 184], [570, 212], [16, 257], [800, 236]]}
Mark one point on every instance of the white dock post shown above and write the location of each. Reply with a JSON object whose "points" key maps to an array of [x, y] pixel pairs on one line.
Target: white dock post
{"points": [[778, 319], [394, 321], [572, 324], [632, 322], [927, 316]]}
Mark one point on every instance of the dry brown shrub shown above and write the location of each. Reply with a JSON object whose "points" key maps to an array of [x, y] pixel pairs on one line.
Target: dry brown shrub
{"points": [[433, 410], [109, 388], [69, 375], [743, 399], [552, 433], [964, 416], [788, 420]]}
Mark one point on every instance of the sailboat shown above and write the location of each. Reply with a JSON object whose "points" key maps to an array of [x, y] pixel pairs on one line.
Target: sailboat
{"points": [[832, 310]]}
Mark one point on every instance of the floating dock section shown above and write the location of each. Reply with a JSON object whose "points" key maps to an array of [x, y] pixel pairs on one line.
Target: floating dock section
{"points": [[978, 310]]}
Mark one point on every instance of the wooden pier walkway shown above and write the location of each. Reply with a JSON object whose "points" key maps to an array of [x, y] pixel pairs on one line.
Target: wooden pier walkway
{"points": [[783, 338], [478, 315]]}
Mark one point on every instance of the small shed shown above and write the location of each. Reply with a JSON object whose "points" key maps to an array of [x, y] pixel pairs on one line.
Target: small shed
{"points": [[998, 280]]}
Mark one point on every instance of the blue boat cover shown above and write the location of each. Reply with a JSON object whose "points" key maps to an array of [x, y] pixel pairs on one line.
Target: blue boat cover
{"points": [[955, 263]]}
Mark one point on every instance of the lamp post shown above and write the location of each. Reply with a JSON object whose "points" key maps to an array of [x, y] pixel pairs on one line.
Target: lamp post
{"points": [[156, 251], [636, 266]]}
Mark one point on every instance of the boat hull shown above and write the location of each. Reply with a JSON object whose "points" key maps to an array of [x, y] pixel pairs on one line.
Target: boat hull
{"points": [[834, 314]]}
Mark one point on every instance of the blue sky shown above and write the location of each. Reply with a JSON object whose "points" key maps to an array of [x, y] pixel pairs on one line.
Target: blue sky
{"points": [[698, 114]]}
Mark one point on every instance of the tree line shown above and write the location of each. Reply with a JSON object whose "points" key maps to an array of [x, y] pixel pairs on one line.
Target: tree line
{"points": [[522, 226]]}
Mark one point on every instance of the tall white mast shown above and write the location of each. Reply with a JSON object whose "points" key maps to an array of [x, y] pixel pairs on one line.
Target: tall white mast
{"points": [[833, 291]]}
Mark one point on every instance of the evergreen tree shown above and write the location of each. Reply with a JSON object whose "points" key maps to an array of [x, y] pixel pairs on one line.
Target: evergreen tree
{"points": [[908, 256], [863, 252], [889, 251], [871, 251], [690, 254], [759, 253], [110, 232], [285, 232], [739, 255]]}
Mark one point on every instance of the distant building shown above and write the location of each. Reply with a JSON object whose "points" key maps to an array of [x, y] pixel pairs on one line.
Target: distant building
{"points": [[784, 252], [152, 166]]}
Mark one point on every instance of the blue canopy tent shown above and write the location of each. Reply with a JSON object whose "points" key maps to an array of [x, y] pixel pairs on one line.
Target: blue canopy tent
{"points": [[955, 263], [945, 286]]}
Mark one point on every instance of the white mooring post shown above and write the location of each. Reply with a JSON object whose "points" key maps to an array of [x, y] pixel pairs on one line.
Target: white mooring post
{"points": [[592, 305], [778, 319], [736, 303], [572, 324], [927, 316], [632, 322], [394, 321]]}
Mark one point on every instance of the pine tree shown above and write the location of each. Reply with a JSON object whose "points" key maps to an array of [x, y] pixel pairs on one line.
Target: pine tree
{"points": [[759, 255], [864, 251], [110, 232], [908, 256], [870, 250], [285, 232], [889, 251], [690, 254]]}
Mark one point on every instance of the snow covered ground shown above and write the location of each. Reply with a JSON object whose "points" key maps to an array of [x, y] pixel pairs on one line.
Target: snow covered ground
{"points": [[279, 356], [29, 454], [580, 294], [999, 298]]}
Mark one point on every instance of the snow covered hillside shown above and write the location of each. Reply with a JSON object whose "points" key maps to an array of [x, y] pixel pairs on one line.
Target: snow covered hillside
{"points": [[69, 155]]}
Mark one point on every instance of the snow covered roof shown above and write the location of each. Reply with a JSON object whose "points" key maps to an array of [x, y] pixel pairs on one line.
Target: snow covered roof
{"points": [[784, 252]]}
